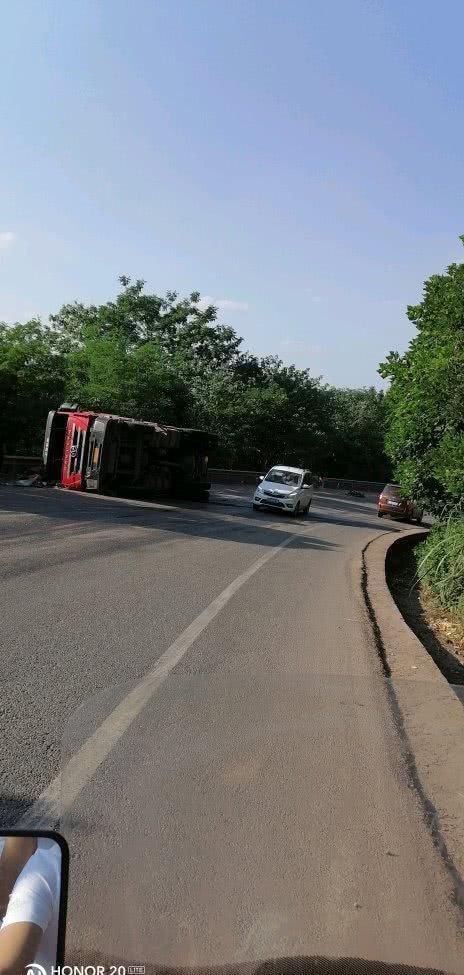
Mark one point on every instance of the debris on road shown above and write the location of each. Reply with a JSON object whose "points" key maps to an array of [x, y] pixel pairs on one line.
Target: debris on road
{"points": [[34, 481]]}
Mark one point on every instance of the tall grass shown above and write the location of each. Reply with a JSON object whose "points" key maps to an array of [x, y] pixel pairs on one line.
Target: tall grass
{"points": [[440, 563]]}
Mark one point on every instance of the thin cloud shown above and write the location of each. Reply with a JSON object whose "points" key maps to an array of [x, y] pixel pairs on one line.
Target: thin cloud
{"points": [[312, 297], [6, 238], [299, 345], [224, 304]]}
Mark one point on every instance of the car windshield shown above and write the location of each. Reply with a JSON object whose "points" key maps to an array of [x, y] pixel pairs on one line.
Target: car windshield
{"points": [[283, 477]]}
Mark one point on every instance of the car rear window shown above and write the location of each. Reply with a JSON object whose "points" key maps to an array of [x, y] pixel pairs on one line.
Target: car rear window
{"points": [[392, 490]]}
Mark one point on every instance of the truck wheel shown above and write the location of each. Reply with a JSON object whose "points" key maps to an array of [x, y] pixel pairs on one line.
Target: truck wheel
{"points": [[380, 514]]}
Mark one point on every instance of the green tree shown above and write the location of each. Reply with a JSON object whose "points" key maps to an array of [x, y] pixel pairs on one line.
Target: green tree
{"points": [[245, 416], [168, 358], [142, 355], [180, 326], [357, 434], [425, 402], [148, 356], [264, 412], [33, 378], [139, 381]]}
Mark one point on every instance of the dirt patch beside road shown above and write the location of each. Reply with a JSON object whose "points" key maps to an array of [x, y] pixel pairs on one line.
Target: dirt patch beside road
{"points": [[422, 612]]}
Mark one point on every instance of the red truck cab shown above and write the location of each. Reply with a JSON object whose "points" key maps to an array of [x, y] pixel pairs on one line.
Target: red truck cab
{"points": [[66, 446]]}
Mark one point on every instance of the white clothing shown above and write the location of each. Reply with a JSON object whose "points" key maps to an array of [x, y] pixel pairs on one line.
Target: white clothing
{"points": [[36, 898]]}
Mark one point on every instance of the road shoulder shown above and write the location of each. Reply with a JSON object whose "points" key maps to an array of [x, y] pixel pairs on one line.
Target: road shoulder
{"points": [[429, 716]]}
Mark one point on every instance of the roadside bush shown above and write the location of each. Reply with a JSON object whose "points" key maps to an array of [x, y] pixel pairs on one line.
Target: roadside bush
{"points": [[425, 422], [440, 563]]}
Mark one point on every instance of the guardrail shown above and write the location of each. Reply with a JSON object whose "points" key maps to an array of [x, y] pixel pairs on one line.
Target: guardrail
{"points": [[347, 484], [14, 464], [226, 476]]}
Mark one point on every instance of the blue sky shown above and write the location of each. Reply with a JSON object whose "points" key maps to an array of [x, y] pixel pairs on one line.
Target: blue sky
{"points": [[300, 162]]}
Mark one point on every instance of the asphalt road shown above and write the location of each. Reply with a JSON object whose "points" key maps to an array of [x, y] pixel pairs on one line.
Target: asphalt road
{"points": [[237, 790]]}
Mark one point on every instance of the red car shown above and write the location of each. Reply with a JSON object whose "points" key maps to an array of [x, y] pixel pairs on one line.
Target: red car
{"points": [[391, 502]]}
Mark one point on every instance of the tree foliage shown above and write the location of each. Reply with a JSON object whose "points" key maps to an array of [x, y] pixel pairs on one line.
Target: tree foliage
{"points": [[359, 421], [425, 402], [33, 375], [167, 358]]}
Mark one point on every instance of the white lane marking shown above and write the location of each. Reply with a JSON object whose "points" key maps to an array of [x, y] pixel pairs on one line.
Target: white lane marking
{"points": [[59, 796]]}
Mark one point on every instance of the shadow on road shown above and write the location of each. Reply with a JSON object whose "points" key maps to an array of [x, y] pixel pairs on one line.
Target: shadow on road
{"points": [[344, 504], [14, 807], [298, 965], [328, 519], [113, 546], [68, 515], [11, 809]]}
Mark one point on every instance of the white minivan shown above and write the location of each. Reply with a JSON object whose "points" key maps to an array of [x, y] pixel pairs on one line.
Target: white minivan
{"points": [[286, 488]]}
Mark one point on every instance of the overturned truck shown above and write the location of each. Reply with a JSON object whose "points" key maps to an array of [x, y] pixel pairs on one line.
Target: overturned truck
{"points": [[88, 451]]}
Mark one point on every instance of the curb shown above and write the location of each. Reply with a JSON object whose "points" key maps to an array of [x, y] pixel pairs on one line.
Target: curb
{"points": [[428, 715]]}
